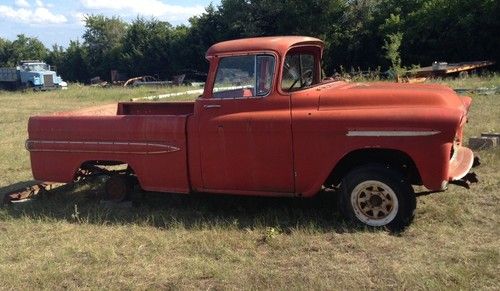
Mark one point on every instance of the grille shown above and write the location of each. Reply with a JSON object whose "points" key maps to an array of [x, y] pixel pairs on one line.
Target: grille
{"points": [[48, 80]]}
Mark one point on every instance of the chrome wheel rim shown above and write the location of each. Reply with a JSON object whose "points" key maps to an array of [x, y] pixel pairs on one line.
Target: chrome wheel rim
{"points": [[374, 203]]}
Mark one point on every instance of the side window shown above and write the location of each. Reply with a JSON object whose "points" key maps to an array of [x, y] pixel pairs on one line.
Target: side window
{"points": [[244, 76], [265, 74], [298, 71]]}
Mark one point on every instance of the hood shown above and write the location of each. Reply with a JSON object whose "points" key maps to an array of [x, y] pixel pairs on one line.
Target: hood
{"points": [[40, 73], [47, 73], [343, 95]]}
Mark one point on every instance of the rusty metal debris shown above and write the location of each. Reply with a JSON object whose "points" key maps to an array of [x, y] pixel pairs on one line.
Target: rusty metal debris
{"points": [[85, 174], [480, 91], [97, 82], [187, 77], [45, 190], [133, 81], [153, 81], [26, 192], [441, 69], [118, 77], [466, 181]]}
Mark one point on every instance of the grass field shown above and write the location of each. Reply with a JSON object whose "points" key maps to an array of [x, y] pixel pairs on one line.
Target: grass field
{"points": [[71, 241]]}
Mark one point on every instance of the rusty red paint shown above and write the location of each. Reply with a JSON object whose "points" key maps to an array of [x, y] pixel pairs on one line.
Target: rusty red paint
{"points": [[284, 144]]}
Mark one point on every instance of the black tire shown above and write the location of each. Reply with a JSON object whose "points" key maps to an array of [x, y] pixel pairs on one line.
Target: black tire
{"points": [[27, 86], [117, 188], [376, 196]]}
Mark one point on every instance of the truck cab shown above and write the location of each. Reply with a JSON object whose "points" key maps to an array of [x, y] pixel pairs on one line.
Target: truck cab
{"points": [[38, 75], [245, 114]]}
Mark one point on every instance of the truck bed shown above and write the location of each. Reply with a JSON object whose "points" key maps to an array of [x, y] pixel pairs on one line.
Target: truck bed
{"points": [[8, 75], [134, 108], [155, 108], [149, 137]]}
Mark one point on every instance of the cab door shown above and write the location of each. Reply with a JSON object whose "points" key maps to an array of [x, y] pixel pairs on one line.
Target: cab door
{"points": [[245, 130]]}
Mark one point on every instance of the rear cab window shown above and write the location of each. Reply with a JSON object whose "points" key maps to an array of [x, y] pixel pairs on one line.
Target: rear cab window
{"points": [[244, 76]]}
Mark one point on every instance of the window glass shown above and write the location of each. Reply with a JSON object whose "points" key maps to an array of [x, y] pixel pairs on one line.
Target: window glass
{"points": [[35, 67], [265, 74], [244, 76], [298, 71]]}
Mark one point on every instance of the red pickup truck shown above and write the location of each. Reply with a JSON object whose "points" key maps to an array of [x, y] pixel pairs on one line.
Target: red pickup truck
{"points": [[267, 124]]}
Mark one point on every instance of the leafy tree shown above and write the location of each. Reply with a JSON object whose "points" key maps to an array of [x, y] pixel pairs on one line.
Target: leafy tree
{"points": [[204, 31], [4, 47], [146, 48], [453, 31], [22, 48], [103, 39], [392, 43], [55, 57], [181, 52], [355, 41], [75, 66], [357, 33]]}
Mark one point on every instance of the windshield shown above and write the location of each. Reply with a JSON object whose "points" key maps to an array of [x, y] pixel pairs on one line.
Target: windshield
{"points": [[35, 67]]}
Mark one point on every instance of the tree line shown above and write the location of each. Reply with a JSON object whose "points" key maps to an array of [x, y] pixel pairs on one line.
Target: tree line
{"points": [[365, 34]]}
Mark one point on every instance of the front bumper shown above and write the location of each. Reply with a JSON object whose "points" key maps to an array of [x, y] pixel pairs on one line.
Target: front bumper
{"points": [[460, 166], [46, 88]]}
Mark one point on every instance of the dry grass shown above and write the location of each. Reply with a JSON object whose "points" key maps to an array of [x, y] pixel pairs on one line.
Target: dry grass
{"points": [[221, 242]]}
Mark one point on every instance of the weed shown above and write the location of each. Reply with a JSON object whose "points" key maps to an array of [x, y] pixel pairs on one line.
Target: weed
{"points": [[76, 215]]}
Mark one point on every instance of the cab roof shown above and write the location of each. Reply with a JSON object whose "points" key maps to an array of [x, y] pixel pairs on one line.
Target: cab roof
{"points": [[279, 44]]}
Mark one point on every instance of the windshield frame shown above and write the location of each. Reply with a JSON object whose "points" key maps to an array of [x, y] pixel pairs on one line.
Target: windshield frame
{"points": [[35, 67]]}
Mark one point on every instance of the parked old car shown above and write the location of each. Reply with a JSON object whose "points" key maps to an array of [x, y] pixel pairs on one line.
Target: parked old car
{"points": [[268, 125]]}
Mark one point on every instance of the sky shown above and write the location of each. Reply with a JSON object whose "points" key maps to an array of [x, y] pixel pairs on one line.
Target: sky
{"points": [[59, 21]]}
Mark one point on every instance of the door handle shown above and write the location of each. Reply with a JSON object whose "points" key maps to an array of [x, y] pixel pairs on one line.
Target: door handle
{"points": [[211, 106]]}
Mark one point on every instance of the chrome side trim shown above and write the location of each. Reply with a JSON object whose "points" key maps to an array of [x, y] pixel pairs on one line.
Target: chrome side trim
{"points": [[151, 148], [378, 133], [212, 106]]}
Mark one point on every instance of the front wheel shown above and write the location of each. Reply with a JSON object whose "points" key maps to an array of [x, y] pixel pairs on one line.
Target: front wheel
{"points": [[377, 196]]}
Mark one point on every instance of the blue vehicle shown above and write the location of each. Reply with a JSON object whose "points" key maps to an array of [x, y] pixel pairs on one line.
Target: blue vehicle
{"points": [[35, 75]]}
